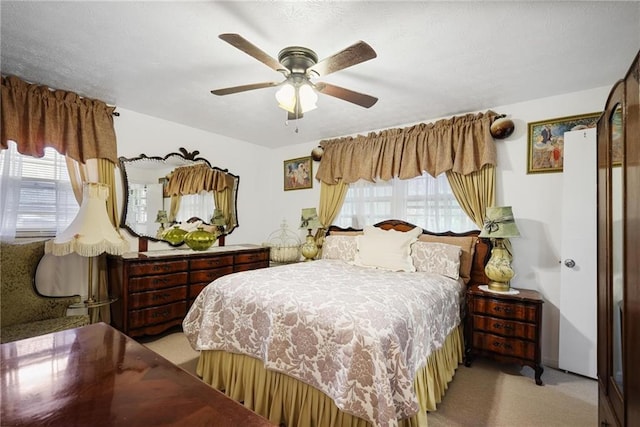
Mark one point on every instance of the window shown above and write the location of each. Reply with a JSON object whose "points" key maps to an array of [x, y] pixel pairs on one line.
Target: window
{"points": [[36, 197], [424, 201]]}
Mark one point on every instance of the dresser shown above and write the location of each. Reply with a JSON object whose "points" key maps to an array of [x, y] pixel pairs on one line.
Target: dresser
{"points": [[156, 289], [505, 327]]}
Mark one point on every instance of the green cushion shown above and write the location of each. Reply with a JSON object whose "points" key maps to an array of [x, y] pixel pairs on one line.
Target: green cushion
{"points": [[41, 327]]}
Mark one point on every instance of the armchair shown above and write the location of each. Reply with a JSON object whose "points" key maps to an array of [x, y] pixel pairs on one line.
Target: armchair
{"points": [[24, 313]]}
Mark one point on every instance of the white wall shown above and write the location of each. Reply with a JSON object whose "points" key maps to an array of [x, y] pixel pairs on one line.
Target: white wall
{"points": [[263, 204]]}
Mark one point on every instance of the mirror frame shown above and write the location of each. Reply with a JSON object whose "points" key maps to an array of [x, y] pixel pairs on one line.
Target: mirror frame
{"points": [[186, 157]]}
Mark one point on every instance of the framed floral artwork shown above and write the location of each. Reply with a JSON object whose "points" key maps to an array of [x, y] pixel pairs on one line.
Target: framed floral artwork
{"points": [[298, 173], [545, 150]]}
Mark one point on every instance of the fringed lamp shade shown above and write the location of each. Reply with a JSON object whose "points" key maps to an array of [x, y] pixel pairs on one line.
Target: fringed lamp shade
{"points": [[90, 233]]}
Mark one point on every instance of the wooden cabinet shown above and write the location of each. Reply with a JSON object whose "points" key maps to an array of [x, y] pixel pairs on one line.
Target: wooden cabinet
{"points": [[155, 292], [619, 253], [504, 327]]}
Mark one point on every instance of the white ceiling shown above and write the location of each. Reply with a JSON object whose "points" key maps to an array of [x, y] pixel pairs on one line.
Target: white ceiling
{"points": [[435, 59]]}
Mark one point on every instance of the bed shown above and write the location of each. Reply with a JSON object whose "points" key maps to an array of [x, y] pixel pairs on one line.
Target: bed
{"points": [[369, 335]]}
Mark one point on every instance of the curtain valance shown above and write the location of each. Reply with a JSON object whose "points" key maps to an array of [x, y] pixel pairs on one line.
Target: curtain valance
{"points": [[462, 144], [37, 117], [197, 178]]}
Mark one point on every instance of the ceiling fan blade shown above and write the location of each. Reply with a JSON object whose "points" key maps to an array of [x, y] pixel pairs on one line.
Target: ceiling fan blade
{"points": [[239, 42], [357, 98], [243, 88], [352, 55]]}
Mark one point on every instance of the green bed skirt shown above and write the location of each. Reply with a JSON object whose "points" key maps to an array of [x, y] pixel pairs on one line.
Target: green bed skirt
{"points": [[288, 402]]}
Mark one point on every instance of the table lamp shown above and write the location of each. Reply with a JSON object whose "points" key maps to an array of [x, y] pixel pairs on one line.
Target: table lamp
{"points": [[162, 219], [90, 234], [499, 224], [309, 220]]}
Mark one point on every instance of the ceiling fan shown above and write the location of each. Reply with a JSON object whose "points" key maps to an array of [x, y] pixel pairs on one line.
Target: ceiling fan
{"points": [[299, 65]]}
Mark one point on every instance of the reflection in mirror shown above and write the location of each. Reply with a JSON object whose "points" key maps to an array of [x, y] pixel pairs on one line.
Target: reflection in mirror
{"points": [[617, 250], [160, 192]]}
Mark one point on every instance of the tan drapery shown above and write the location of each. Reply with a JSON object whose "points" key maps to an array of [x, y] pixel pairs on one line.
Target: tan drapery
{"points": [[35, 117], [196, 178], [475, 192], [331, 199], [102, 171], [463, 144]]}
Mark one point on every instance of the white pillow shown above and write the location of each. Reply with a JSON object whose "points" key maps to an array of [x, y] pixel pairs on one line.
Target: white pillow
{"points": [[340, 247], [386, 249], [439, 258]]}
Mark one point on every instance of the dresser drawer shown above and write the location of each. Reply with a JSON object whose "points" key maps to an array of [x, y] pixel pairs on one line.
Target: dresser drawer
{"points": [[208, 276], [493, 307], [159, 297], [251, 257], [251, 266], [503, 327], [212, 262], [159, 267], [137, 284], [194, 290], [163, 313], [505, 346]]}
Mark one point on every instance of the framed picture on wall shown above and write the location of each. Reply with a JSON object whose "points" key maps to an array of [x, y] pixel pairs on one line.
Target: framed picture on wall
{"points": [[545, 149], [298, 173]]}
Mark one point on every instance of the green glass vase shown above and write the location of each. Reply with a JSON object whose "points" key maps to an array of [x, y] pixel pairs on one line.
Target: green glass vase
{"points": [[200, 239], [175, 235]]}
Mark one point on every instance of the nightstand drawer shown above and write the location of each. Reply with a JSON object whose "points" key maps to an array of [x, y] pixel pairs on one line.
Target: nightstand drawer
{"points": [[505, 346], [507, 310], [503, 327]]}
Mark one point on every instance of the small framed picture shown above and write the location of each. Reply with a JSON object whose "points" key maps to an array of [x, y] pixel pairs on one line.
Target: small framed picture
{"points": [[298, 173], [545, 150]]}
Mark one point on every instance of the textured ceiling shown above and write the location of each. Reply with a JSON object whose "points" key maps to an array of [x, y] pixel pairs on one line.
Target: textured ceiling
{"points": [[435, 59]]}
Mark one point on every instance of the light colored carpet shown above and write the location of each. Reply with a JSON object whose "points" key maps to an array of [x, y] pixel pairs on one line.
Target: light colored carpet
{"points": [[486, 394]]}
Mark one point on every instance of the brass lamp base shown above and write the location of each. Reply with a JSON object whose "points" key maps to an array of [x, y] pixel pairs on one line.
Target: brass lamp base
{"points": [[499, 286], [498, 269], [309, 248]]}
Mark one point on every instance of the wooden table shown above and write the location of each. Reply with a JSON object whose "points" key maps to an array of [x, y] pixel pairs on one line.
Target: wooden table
{"points": [[97, 376]]}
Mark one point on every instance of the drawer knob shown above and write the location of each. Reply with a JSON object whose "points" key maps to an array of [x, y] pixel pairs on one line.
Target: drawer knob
{"points": [[504, 326], [500, 308], [164, 313], [499, 344], [569, 263]]}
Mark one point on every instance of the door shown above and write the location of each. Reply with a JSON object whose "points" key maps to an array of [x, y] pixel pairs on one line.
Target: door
{"points": [[578, 268]]}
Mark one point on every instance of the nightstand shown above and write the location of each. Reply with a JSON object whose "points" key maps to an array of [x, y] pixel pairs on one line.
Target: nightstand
{"points": [[504, 327]]}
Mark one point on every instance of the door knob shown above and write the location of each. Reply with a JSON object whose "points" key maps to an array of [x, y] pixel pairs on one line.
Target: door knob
{"points": [[569, 263]]}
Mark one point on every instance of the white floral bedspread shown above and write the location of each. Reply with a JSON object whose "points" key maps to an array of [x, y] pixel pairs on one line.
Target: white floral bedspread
{"points": [[357, 334]]}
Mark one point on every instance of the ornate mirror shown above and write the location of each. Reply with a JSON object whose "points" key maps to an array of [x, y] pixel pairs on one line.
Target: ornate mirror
{"points": [[179, 187]]}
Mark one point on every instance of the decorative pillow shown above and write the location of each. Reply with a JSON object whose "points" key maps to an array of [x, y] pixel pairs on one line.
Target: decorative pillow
{"points": [[386, 249], [468, 245], [340, 247], [439, 258]]}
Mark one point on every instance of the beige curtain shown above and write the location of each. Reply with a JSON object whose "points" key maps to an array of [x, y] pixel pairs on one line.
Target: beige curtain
{"points": [[197, 178], [102, 171], [475, 192], [174, 207], [37, 117], [331, 200], [463, 144]]}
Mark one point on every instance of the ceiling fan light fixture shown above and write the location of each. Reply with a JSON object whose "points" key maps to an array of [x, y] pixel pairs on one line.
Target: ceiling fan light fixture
{"points": [[292, 94]]}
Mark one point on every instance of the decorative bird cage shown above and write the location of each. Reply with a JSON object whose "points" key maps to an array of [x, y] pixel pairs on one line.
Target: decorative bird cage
{"points": [[284, 244]]}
